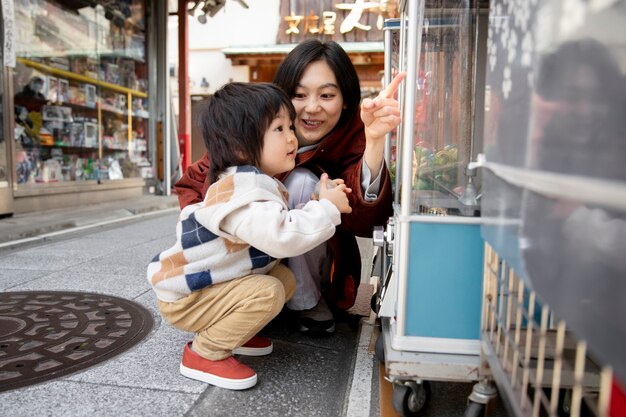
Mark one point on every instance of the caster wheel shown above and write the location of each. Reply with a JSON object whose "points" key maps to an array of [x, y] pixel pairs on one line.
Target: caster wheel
{"points": [[374, 304], [411, 400], [474, 410]]}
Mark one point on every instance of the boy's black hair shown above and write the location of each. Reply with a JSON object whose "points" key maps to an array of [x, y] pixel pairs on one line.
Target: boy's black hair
{"points": [[234, 121], [290, 72]]}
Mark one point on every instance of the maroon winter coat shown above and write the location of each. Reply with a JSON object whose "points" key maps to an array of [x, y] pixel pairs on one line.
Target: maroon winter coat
{"points": [[340, 155]]}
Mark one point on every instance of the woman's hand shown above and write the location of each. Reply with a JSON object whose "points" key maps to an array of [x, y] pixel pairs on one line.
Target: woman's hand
{"points": [[380, 115]]}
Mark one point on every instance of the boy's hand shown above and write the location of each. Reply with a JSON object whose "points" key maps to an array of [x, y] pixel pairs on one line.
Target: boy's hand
{"points": [[336, 194]]}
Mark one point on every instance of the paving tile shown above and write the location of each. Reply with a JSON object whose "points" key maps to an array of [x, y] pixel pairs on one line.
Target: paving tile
{"points": [[72, 399], [42, 262], [151, 364], [79, 279], [10, 278], [302, 377]]}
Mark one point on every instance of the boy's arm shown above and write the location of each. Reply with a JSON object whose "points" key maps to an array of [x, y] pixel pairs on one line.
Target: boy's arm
{"points": [[282, 233]]}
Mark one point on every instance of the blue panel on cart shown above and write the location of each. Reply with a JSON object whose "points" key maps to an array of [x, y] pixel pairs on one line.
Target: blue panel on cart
{"points": [[444, 290]]}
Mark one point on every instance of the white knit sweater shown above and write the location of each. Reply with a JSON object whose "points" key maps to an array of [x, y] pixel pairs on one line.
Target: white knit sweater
{"points": [[242, 227]]}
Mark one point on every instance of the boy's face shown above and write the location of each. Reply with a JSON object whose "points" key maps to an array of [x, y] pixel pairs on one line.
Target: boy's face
{"points": [[278, 154]]}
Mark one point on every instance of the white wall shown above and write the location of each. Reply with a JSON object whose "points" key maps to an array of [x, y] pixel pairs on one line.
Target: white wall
{"points": [[232, 26]]}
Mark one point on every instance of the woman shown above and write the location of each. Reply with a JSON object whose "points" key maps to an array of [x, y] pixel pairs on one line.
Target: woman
{"points": [[332, 138]]}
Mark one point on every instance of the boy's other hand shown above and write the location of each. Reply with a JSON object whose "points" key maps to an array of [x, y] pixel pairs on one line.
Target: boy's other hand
{"points": [[337, 194]]}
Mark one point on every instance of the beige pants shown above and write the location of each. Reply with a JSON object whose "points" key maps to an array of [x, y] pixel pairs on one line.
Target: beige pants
{"points": [[224, 316]]}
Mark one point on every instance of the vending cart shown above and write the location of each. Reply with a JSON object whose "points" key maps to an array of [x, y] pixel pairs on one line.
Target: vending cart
{"points": [[430, 294]]}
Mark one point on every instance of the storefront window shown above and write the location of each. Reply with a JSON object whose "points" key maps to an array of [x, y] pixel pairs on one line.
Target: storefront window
{"points": [[81, 94]]}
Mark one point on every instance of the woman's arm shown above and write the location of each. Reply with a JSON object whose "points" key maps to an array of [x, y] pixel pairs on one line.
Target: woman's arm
{"points": [[379, 117], [191, 188], [366, 214]]}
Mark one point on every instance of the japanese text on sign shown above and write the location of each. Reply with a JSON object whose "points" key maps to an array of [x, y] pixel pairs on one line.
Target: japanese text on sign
{"points": [[313, 24]]}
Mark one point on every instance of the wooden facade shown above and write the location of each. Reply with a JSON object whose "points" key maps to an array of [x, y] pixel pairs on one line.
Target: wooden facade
{"points": [[303, 19]]}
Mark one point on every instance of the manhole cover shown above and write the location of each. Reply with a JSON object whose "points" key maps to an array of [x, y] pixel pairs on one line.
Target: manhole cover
{"points": [[44, 335]]}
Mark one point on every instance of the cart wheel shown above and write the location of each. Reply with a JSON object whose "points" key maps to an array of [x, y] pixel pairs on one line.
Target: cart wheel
{"points": [[474, 410], [379, 349], [411, 400], [373, 303], [564, 407]]}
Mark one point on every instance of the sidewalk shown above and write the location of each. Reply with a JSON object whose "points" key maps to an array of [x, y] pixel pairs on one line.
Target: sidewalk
{"points": [[23, 228], [303, 376]]}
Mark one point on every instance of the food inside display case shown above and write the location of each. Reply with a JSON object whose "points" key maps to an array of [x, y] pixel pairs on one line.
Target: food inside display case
{"points": [[81, 92]]}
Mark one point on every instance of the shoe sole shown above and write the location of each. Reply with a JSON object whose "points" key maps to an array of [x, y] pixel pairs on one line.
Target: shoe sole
{"points": [[248, 351], [232, 384]]}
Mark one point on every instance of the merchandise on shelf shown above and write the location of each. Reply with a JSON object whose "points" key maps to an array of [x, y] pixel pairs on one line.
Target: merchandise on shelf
{"points": [[81, 92]]}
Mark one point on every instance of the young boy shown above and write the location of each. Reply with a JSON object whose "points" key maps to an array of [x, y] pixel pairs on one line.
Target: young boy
{"points": [[222, 279]]}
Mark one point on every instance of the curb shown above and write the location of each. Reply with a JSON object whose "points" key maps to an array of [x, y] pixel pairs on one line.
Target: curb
{"points": [[14, 244]]}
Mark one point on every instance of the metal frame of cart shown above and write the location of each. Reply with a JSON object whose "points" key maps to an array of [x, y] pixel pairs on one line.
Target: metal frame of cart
{"points": [[430, 307]]}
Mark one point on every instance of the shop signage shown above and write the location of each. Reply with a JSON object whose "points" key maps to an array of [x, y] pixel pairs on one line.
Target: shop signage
{"points": [[325, 22], [329, 18]]}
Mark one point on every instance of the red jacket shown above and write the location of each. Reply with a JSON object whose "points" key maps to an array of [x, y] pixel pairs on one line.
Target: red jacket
{"points": [[340, 155]]}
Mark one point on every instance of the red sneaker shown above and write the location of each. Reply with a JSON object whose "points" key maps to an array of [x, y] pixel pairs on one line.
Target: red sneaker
{"points": [[257, 346], [227, 373]]}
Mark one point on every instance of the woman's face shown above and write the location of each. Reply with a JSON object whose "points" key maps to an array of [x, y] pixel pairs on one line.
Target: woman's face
{"points": [[318, 102]]}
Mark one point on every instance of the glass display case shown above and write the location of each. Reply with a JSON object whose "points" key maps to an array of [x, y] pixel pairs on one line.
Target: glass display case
{"points": [[81, 91], [441, 122]]}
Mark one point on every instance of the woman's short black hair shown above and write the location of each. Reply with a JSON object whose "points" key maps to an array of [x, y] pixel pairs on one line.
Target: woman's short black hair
{"points": [[234, 121], [290, 72]]}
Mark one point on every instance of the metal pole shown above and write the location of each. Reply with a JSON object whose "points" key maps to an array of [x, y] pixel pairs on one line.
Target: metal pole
{"points": [[159, 104], [416, 23], [184, 106]]}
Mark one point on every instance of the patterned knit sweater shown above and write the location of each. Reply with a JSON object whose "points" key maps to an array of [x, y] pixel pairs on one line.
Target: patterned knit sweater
{"points": [[242, 227]]}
